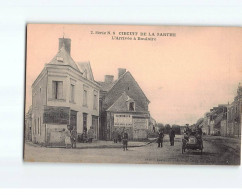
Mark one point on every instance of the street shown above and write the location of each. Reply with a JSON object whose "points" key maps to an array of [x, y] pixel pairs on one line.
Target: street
{"points": [[217, 151]]}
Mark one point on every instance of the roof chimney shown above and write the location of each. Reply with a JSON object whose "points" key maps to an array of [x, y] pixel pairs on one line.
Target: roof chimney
{"points": [[67, 43], [108, 78], [121, 71]]}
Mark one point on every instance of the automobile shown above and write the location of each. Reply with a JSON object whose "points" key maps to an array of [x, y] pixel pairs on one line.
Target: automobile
{"points": [[192, 141]]}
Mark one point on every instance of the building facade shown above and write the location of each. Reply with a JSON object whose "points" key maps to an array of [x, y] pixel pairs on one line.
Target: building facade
{"points": [[123, 106], [206, 124], [218, 117], [225, 120], [64, 93], [234, 115]]}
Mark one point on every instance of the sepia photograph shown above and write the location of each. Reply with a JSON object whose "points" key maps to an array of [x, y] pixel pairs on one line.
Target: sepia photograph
{"points": [[133, 94]]}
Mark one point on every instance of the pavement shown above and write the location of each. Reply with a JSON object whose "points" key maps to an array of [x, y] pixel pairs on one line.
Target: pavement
{"points": [[100, 144], [109, 144], [231, 142]]}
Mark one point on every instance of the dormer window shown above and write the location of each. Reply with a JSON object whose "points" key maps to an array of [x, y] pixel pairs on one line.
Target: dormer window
{"points": [[60, 59], [131, 106]]}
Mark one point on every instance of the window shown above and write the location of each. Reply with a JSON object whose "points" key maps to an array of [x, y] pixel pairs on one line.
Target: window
{"points": [[95, 102], [131, 106], [60, 59], [72, 92], [57, 89], [85, 98]]}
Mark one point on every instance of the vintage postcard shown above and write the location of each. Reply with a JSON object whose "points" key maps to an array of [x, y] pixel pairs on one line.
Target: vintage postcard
{"points": [[133, 94]]}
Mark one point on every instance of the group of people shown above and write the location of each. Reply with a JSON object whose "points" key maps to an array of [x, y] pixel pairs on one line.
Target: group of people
{"points": [[117, 137], [161, 136], [71, 136], [197, 132], [87, 136]]}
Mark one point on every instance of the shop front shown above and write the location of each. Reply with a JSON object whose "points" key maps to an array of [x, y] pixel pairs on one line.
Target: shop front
{"points": [[136, 125]]}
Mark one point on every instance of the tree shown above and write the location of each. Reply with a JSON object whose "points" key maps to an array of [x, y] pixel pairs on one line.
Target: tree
{"points": [[167, 128], [161, 126], [177, 129]]}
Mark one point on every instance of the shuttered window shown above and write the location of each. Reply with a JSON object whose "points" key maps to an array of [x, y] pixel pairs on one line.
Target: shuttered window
{"points": [[57, 90], [85, 98], [95, 102]]}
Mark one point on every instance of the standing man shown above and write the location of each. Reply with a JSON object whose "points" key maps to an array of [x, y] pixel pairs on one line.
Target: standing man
{"points": [[172, 137], [160, 138], [90, 134], [125, 140], [73, 137]]}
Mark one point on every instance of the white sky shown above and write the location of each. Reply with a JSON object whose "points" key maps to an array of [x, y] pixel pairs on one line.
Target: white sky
{"points": [[183, 77]]}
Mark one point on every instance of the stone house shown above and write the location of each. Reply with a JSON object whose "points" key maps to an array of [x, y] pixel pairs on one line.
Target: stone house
{"points": [[64, 93], [123, 106]]}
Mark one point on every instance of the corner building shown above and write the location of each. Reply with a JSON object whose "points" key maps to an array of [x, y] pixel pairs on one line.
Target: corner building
{"points": [[64, 93], [123, 106]]}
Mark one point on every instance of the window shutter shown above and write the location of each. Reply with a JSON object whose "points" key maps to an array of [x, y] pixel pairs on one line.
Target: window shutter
{"points": [[53, 89], [60, 90]]}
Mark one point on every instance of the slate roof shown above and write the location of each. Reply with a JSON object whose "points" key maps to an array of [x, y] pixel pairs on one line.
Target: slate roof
{"points": [[106, 86], [111, 93], [64, 59], [120, 105]]}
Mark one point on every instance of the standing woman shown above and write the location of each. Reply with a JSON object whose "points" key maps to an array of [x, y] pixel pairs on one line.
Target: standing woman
{"points": [[68, 136]]}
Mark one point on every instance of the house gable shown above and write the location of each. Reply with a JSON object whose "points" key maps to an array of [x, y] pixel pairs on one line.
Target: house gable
{"points": [[126, 83], [121, 104]]}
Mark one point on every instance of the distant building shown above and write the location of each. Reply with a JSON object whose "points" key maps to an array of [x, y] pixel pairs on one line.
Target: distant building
{"points": [[225, 120], [64, 93], [206, 123], [234, 115], [123, 106], [218, 117]]}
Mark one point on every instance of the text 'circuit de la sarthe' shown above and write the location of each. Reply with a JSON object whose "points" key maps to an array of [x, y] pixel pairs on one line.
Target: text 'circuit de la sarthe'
{"points": [[65, 93]]}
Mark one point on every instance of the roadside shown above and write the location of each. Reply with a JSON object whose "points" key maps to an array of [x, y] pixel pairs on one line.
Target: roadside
{"points": [[98, 144], [110, 144], [228, 142]]}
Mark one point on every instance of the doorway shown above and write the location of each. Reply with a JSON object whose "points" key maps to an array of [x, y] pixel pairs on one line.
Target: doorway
{"points": [[73, 118], [95, 126], [84, 121]]}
